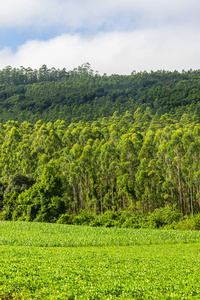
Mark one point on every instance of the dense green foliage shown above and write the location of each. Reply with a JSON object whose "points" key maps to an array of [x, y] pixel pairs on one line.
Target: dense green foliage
{"points": [[134, 151], [52, 261], [145, 272], [83, 95], [116, 164], [110, 151]]}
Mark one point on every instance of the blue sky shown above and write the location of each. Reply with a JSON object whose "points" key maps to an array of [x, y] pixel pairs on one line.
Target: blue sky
{"points": [[114, 36]]}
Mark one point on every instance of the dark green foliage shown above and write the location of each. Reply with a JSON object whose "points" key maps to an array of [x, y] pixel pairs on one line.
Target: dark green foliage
{"points": [[167, 217], [161, 217], [3, 186], [18, 183], [49, 94]]}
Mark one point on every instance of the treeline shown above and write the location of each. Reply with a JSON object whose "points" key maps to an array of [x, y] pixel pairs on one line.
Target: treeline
{"points": [[84, 95], [131, 162]]}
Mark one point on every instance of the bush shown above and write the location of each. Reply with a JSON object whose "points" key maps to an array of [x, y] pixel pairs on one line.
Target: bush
{"points": [[189, 223], [165, 216], [84, 218], [65, 219], [110, 219], [135, 220]]}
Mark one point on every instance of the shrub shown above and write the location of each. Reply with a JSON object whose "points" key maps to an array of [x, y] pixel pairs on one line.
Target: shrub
{"points": [[189, 223], [84, 218], [164, 216], [108, 219], [65, 219]]}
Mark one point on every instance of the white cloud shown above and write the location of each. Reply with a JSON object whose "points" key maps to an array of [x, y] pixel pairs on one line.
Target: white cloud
{"points": [[112, 52], [120, 35], [74, 14]]}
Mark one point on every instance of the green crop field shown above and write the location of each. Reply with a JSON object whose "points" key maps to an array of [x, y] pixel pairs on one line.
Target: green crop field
{"points": [[50, 261]]}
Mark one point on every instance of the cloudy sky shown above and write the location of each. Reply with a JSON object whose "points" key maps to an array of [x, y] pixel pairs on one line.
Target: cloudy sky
{"points": [[114, 36]]}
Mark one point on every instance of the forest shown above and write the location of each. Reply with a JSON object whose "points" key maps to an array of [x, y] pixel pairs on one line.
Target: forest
{"points": [[76, 145], [84, 95]]}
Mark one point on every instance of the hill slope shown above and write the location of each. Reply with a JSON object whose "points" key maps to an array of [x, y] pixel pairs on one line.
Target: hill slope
{"points": [[141, 159], [27, 94]]}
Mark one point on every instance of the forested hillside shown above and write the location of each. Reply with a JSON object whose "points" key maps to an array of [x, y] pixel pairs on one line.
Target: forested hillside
{"points": [[103, 143], [83, 95]]}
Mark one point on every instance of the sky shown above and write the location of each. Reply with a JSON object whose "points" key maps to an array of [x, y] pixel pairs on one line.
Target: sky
{"points": [[114, 36]]}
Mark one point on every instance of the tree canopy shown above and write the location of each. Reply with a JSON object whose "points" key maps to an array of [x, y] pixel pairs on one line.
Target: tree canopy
{"points": [[73, 142], [83, 95]]}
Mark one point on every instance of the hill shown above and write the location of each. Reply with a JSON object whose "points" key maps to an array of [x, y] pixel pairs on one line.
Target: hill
{"points": [[130, 154], [82, 94]]}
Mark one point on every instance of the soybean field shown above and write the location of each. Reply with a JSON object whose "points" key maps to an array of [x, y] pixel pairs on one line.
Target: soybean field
{"points": [[53, 261]]}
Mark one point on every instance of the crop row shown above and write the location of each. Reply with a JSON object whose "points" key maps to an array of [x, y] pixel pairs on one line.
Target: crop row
{"points": [[137, 272], [57, 235]]}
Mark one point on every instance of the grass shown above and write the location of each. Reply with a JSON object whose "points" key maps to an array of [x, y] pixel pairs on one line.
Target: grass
{"points": [[46, 261]]}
